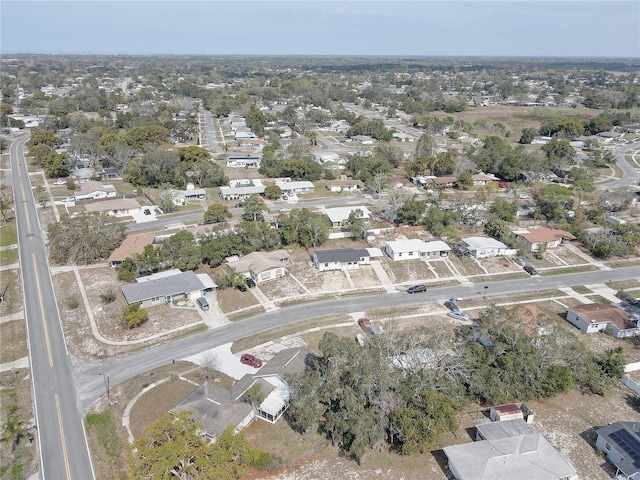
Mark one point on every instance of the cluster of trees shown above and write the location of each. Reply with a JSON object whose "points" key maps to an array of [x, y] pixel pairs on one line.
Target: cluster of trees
{"points": [[174, 447], [42, 145], [374, 128], [84, 238], [188, 164], [360, 398]]}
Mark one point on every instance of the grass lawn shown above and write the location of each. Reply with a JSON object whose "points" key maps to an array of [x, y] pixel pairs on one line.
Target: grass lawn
{"points": [[581, 289], [232, 299], [8, 257], [105, 443], [561, 271], [14, 341], [12, 303], [8, 234]]}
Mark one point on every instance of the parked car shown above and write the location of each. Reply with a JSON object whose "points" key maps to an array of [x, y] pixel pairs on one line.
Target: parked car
{"points": [[251, 282], [417, 289], [503, 184], [284, 197], [452, 306], [239, 205], [203, 304], [520, 261], [458, 315], [370, 328], [530, 270], [147, 211], [60, 181], [251, 360], [242, 288]]}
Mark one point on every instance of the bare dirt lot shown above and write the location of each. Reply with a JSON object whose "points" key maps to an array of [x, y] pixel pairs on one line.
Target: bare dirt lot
{"points": [[407, 271]]}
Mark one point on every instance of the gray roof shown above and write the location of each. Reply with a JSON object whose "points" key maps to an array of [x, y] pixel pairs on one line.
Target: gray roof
{"points": [[525, 457], [341, 255], [291, 360], [624, 437], [504, 429], [185, 282]]}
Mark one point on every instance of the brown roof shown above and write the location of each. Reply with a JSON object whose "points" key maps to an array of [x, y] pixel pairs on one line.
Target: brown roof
{"points": [[602, 312], [93, 186], [545, 235], [113, 204], [442, 180], [131, 245], [508, 409]]}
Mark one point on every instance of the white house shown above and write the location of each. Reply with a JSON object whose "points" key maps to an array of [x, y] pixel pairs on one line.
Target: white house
{"points": [[620, 442], [340, 259], [115, 206], [339, 216], [92, 190], [597, 317], [290, 187], [262, 266], [242, 189], [480, 247], [243, 161], [416, 249], [363, 139]]}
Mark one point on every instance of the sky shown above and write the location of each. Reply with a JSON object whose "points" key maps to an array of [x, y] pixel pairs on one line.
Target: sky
{"points": [[537, 28]]}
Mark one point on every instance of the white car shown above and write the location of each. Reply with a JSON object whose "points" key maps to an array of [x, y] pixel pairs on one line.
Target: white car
{"points": [[60, 181], [458, 315]]}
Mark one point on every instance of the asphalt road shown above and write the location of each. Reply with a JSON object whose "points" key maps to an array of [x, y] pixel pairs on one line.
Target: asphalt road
{"points": [[61, 436], [91, 386], [630, 175]]}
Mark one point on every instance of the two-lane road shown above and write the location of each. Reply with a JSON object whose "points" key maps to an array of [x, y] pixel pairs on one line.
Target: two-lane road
{"points": [[61, 437]]}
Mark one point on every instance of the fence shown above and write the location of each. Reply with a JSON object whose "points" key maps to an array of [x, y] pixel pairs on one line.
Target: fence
{"points": [[635, 386]]}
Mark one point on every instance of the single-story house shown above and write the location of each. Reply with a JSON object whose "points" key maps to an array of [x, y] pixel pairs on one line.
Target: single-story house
{"points": [[620, 442], [340, 259], [216, 407], [399, 182], [262, 266], [525, 456], [115, 206], [480, 179], [402, 137], [243, 135], [131, 246], [432, 182], [597, 317], [363, 140], [339, 216], [480, 247], [416, 249], [290, 187], [534, 238], [245, 161], [164, 287], [344, 184], [503, 428], [92, 190], [242, 189], [181, 197], [108, 174]]}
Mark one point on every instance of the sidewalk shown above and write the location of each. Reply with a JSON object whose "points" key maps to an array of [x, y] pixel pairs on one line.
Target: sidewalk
{"points": [[383, 277]]}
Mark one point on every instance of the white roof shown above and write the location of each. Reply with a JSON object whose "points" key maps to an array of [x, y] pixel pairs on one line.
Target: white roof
{"points": [[250, 190], [417, 245], [476, 243], [294, 185], [340, 214]]}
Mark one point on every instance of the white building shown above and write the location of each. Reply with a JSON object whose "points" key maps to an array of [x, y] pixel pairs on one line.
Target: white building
{"points": [[480, 247], [416, 249], [339, 216]]}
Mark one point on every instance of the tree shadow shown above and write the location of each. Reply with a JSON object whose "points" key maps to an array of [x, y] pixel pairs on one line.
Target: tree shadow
{"points": [[633, 400], [443, 463]]}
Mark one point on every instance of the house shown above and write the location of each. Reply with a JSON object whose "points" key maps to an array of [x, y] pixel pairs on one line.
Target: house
{"points": [[504, 428], [181, 197], [508, 454], [262, 266], [620, 442], [216, 407], [167, 286], [131, 246], [115, 206], [290, 187], [340, 259], [443, 182], [344, 184], [480, 247], [339, 216], [402, 137], [363, 139], [242, 189], [244, 161], [416, 249], [597, 317], [480, 179], [399, 182], [108, 174], [535, 238], [92, 190]]}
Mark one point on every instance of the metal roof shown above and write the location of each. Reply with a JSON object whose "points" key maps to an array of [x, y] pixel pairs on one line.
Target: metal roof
{"points": [[505, 429]]}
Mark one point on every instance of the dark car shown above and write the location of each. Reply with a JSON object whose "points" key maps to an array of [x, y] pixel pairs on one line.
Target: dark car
{"points": [[251, 360], [452, 306], [239, 205], [530, 270], [417, 289], [251, 282], [242, 288]]}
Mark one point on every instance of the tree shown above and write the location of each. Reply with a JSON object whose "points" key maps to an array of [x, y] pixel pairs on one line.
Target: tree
{"points": [[528, 134], [127, 270], [148, 261], [255, 396], [273, 192], [84, 238], [145, 136], [227, 277], [412, 211], [504, 209], [166, 198], [217, 212], [357, 224], [193, 154], [134, 316], [253, 208], [426, 146], [464, 181], [181, 251]]}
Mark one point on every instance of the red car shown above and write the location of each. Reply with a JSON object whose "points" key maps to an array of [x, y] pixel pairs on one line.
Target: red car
{"points": [[249, 359], [503, 184], [363, 321]]}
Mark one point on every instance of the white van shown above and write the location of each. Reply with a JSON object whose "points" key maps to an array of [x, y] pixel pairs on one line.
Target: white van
{"points": [[203, 304]]}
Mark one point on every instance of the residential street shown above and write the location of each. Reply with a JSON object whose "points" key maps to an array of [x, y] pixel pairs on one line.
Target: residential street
{"points": [[61, 438]]}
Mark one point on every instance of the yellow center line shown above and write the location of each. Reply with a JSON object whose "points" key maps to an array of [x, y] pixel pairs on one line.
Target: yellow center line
{"points": [[64, 444], [44, 320], [26, 213]]}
